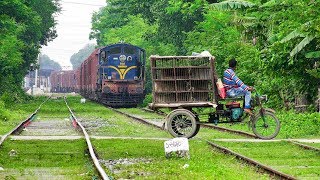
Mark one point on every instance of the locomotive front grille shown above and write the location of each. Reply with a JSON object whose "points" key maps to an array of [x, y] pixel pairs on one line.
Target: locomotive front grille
{"points": [[122, 99]]}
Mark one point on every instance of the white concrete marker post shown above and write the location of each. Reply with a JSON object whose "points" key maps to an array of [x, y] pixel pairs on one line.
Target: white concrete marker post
{"points": [[83, 100], [177, 147]]}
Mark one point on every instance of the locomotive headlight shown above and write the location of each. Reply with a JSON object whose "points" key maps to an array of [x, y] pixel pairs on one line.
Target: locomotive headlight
{"points": [[129, 58], [109, 77], [135, 78], [122, 58]]}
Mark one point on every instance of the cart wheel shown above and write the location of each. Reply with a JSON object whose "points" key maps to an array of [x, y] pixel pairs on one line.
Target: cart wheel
{"points": [[266, 126], [182, 123]]}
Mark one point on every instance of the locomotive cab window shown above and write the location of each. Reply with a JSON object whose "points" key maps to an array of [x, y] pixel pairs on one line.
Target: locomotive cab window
{"points": [[115, 50], [129, 50]]}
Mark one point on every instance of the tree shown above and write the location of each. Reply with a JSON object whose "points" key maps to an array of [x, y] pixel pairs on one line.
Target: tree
{"points": [[47, 63], [77, 58], [24, 27], [287, 34]]}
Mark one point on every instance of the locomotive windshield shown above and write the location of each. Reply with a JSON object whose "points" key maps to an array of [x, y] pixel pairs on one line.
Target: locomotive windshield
{"points": [[115, 50], [129, 50]]}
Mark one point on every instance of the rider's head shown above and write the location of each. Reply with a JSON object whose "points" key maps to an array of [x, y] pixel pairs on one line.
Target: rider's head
{"points": [[233, 63]]}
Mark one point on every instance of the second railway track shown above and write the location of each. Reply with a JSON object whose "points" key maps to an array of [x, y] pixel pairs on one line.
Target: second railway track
{"points": [[215, 143]]}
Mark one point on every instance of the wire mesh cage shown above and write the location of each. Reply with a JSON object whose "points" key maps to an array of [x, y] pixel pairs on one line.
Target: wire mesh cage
{"points": [[183, 79]]}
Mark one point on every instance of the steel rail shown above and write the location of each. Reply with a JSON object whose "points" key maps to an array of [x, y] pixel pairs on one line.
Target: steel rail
{"points": [[23, 124], [136, 118], [222, 129], [267, 169], [304, 146], [94, 158], [242, 133]]}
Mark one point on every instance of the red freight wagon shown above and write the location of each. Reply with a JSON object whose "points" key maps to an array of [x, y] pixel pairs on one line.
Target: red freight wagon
{"points": [[63, 81], [77, 80], [54, 81], [88, 75]]}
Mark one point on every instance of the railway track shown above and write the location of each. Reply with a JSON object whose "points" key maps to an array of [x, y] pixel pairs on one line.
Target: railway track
{"points": [[23, 124], [242, 133], [248, 159], [93, 156], [222, 129], [26, 123], [268, 169]]}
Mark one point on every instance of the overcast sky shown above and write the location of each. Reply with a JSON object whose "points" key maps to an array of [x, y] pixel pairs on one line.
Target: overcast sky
{"points": [[73, 28]]}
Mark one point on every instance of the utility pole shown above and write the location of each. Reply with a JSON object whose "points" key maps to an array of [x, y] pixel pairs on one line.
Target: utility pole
{"points": [[36, 75]]}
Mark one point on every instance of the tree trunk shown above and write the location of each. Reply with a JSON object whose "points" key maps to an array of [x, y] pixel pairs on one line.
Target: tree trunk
{"points": [[301, 103]]}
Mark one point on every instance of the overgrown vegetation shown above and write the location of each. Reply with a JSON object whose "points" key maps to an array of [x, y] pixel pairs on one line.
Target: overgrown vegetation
{"points": [[276, 42], [24, 27], [204, 163], [103, 121], [12, 114], [45, 159], [293, 125], [282, 156]]}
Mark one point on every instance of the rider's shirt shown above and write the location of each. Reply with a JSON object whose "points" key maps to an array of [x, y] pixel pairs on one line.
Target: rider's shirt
{"points": [[230, 80]]}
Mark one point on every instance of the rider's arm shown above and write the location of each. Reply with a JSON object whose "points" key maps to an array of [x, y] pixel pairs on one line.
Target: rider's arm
{"points": [[239, 82]]}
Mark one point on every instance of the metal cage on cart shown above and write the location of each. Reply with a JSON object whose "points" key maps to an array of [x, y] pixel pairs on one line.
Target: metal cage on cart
{"points": [[183, 81]]}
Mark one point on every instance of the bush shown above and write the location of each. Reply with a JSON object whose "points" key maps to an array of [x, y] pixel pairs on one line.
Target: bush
{"points": [[295, 125], [4, 113], [147, 100]]}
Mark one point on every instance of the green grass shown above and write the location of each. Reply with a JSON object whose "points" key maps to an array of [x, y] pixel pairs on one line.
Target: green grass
{"points": [[143, 114], [56, 158], [54, 108], [105, 122], [203, 133], [204, 163], [20, 112], [283, 156], [211, 134], [293, 125]]}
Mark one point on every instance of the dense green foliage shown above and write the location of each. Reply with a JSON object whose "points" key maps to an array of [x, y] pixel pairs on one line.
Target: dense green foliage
{"points": [[77, 58], [275, 42], [24, 27]]}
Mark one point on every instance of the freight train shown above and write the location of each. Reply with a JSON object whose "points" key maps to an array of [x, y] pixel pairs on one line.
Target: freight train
{"points": [[113, 75]]}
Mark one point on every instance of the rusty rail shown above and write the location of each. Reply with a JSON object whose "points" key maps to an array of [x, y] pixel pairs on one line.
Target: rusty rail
{"points": [[305, 146], [267, 169], [223, 129], [94, 158], [23, 124], [242, 133], [141, 120]]}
